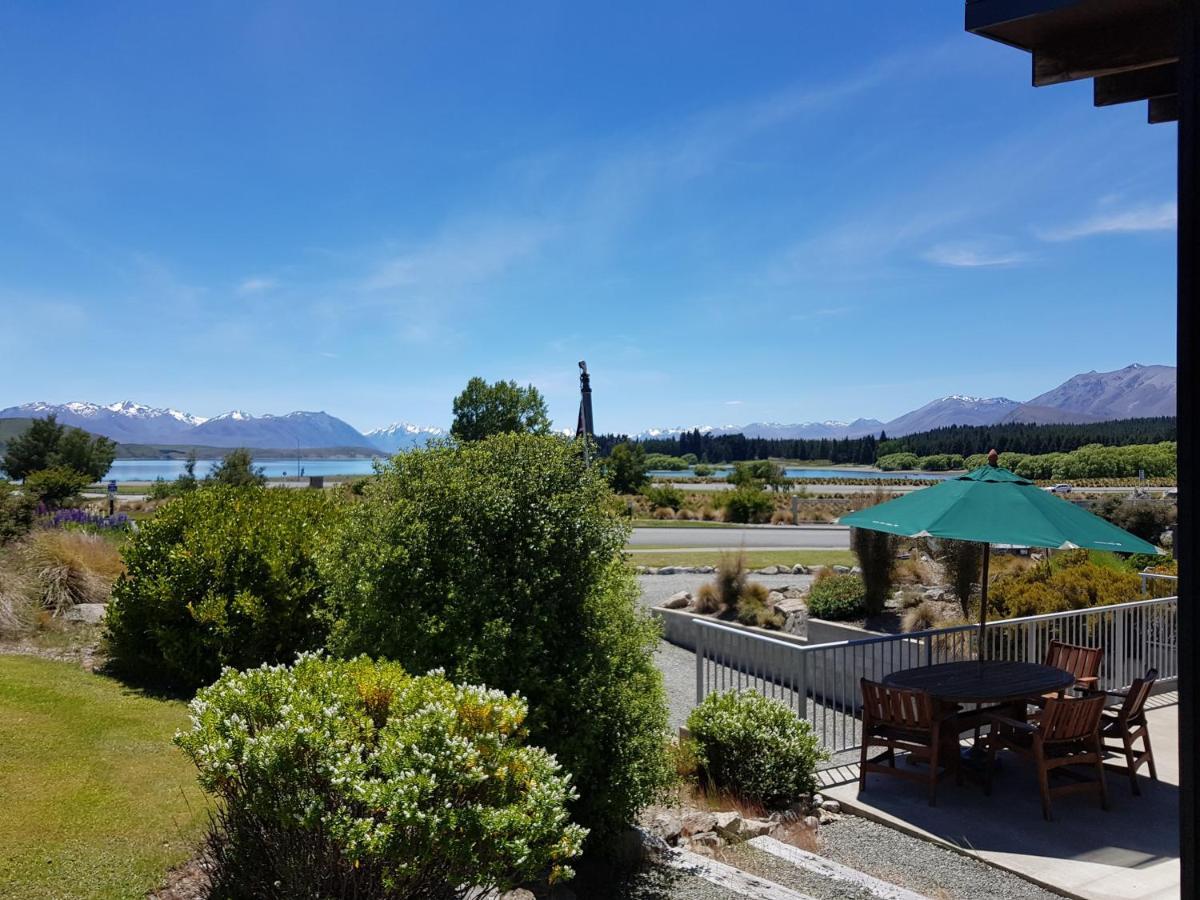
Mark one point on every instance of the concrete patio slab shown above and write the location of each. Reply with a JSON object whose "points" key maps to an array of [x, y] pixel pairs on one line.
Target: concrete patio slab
{"points": [[1130, 852]]}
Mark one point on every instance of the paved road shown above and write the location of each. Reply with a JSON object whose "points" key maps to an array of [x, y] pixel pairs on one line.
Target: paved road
{"points": [[769, 537]]}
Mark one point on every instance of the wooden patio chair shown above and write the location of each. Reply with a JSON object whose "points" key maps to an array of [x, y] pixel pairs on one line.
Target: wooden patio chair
{"points": [[1127, 724], [1082, 662], [1067, 733], [911, 721]]}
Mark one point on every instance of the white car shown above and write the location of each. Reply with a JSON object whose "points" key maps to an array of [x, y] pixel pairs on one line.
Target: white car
{"points": [[1060, 489]]}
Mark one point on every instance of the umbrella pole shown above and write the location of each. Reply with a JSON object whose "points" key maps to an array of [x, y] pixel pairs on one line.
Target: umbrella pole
{"points": [[983, 586]]}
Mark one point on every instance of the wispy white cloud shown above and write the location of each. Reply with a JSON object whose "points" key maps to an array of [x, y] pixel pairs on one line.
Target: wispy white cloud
{"points": [[973, 254], [822, 312], [1161, 217], [256, 285], [733, 402]]}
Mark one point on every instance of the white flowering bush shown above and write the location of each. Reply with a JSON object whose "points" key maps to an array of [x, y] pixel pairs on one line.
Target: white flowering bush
{"points": [[351, 778], [755, 747]]}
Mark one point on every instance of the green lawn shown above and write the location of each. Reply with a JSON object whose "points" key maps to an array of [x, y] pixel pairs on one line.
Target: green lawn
{"points": [[755, 559], [96, 801]]}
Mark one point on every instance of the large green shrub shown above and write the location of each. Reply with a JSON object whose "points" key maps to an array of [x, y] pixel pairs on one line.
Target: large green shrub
{"points": [[892, 462], [1072, 581], [663, 496], [755, 747], [17, 510], [499, 561], [747, 504], [837, 597], [221, 576], [352, 779], [55, 486]]}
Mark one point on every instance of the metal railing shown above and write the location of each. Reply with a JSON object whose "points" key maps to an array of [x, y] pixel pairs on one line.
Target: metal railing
{"points": [[820, 682]]}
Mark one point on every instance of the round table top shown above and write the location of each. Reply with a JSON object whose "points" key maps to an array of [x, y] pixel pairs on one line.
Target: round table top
{"points": [[982, 681]]}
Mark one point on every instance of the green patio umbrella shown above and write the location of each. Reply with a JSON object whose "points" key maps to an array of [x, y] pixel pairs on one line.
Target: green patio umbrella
{"points": [[991, 505]]}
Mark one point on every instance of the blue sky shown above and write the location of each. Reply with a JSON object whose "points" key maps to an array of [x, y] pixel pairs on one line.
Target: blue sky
{"points": [[734, 212]]}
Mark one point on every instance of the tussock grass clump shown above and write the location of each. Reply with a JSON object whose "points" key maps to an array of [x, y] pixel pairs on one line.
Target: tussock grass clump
{"points": [[752, 607], [708, 601], [921, 617], [65, 568]]}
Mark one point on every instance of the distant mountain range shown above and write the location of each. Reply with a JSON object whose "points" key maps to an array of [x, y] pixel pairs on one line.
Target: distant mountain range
{"points": [[1135, 391], [1132, 392]]}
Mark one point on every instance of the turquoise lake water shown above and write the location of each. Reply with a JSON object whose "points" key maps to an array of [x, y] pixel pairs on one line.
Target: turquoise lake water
{"points": [[170, 469]]}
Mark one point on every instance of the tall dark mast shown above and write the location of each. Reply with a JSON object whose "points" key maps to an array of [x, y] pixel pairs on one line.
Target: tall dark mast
{"points": [[583, 427]]}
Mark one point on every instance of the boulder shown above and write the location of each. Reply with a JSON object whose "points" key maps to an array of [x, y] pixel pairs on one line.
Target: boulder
{"points": [[667, 825], [669, 570], [678, 601], [729, 825], [795, 615], [518, 894], [767, 570], [934, 594], [794, 593], [824, 816], [831, 806], [812, 823], [697, 821], [705, 842], [705, 570], [799, 569], [88, 613], [856, 570], [818, 799], [773, 598], [752, 828], [841, 570]]}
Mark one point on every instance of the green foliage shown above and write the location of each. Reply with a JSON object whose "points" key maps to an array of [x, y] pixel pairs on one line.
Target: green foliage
{"points": [[502, 407], [837, 597], [55, 486], [963, 564], [626, 468], [1091, 461], [747, 504], [222, 576], [758, 473], [755, 747], [661, 461], [352, 779], [896, 461], [499, 561], [237, 469], [664, 496], [1148, 519], [876, 552], [1073, 581], [702, 470], [17, 509], [48, 445], [940, 462]]}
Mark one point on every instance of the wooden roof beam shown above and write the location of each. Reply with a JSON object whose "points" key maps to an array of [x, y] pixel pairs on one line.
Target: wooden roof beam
{"points": [[1136, 84], [1132, 44], [1162, 109]]}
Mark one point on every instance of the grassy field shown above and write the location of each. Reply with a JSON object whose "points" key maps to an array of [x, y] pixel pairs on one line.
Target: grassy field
{"points": [[97, 802], [755, 559]]}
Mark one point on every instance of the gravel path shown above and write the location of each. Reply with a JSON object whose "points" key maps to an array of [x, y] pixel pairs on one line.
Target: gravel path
{"points": [[920, 865]]}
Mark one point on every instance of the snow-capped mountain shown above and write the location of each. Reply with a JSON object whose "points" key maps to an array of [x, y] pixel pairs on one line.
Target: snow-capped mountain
{"points": [[136, 423], [957, 409], [828, 429], [126, 421], [402, 436]]}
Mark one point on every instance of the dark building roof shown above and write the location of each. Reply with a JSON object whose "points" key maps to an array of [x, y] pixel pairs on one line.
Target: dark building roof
{"points": [[1129, 47]]}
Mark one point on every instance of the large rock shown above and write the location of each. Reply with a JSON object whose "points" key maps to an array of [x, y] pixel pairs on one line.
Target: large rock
{"points": [[934, 594], [88, 613], [678, 601], [795, 615], [841, 570], [767, 570], [774, 598], [697, 821], [729, 825], [667, 825], [799, 569], [705, 842], [669, 570]]}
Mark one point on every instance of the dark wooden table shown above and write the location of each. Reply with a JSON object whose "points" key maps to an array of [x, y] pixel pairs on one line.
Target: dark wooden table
{"points": [[982, 681]]}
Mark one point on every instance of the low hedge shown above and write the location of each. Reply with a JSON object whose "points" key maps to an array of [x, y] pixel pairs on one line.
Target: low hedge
{"points": [[838, 597]]}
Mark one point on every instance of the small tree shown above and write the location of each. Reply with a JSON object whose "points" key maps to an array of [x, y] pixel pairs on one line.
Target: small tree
{"points": [[17, 509], [237, 469], [626, 468], [47, 445], [53, 487], [963, 564], [876, 551], [503, 407], [758, 473]]}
